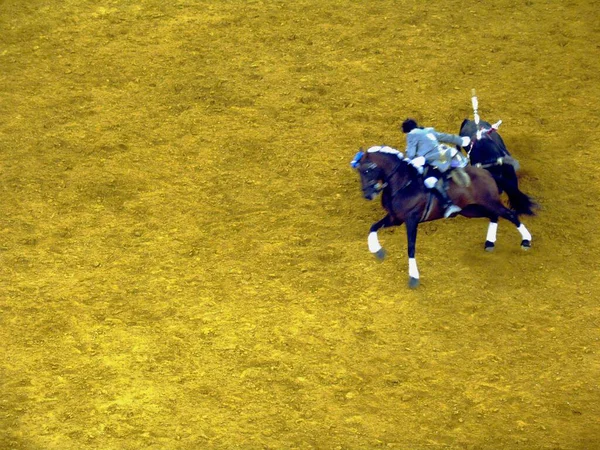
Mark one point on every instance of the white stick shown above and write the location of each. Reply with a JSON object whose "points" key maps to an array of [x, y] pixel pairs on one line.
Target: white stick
{"points": [[475, 104]]}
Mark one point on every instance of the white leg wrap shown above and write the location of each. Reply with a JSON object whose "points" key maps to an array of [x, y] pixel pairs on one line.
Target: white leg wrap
{"points": [[374, 245], [491, 233], [413, 272], [524, 232]]}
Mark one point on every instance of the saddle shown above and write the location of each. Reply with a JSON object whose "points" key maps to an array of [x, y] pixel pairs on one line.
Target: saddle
{"points": [[449, 158], [450, 165]]}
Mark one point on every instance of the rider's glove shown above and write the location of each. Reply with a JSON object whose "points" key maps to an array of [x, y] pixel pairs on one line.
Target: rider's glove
{"points": [[466, 140]]}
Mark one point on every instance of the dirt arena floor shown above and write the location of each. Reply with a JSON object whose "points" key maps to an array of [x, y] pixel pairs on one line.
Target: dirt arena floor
{"points": [[184, 245]]}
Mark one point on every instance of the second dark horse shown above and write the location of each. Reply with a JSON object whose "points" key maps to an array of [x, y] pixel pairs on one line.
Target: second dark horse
{"points": [[488, 151]]}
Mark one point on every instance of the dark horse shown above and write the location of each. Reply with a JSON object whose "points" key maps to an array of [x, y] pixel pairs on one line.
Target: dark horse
{"points": [[488, 151], [406, 199]]}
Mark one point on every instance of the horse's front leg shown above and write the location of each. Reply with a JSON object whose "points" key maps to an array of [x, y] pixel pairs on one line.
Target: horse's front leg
{"points": [[374, 245], [411, 235], [490, 240]]}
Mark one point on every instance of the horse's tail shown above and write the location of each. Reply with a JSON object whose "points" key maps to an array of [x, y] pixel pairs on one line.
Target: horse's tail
{"points": [[521, 203]]}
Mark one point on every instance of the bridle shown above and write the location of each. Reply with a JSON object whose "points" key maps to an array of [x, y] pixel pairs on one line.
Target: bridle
{"points": [[386, 178], [374, 182], [481, 133]]}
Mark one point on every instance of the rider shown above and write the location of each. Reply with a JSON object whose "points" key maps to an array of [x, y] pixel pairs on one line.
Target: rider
{"points": [[423, 147]]}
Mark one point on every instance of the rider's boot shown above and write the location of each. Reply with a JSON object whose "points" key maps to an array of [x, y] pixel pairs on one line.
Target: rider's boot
{"points": [[449, 207]]}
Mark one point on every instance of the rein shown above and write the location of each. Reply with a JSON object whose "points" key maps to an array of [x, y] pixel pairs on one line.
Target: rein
{"points": [[498, 162], [401, 188], [386, 183], [427, 209], [484, 135]]}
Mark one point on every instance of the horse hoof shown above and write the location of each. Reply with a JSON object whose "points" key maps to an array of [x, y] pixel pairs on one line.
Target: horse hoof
{"points": [[380, 254], [413, 283], [525, 244], [489, 246]]}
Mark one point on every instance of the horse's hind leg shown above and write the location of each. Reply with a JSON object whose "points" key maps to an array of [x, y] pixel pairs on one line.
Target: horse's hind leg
{"points": [[522, 229], [482, 211], [526, 237], [493, 211], [490, 239]]}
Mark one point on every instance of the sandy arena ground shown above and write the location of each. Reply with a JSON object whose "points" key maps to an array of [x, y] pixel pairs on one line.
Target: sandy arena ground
{"points": [[184, 245]]}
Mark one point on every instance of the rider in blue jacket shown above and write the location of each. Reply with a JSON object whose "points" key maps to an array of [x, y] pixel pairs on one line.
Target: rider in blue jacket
{"points": [[423, 147]]}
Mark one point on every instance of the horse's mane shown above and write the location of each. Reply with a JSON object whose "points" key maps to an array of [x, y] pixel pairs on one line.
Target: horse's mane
{"points": [[385, 149], [395, 156]]}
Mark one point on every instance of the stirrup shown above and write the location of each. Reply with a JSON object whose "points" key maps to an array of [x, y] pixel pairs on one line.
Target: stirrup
{"points": [[452, 209]]}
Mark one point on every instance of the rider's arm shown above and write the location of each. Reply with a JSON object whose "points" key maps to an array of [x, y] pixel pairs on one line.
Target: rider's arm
{"points": [[449, 138]]}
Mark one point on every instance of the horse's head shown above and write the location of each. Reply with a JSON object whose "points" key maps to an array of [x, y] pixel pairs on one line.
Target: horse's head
{"points": [[486, 144], [375, 166]]}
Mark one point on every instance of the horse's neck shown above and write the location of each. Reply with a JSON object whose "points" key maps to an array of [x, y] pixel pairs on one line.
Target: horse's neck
{"points": [[395, 169], [399, 176], [484, 151], [397, 172]]}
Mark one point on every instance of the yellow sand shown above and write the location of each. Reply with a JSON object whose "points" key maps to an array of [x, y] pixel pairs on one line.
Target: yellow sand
{"points": [[183, 244]]}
